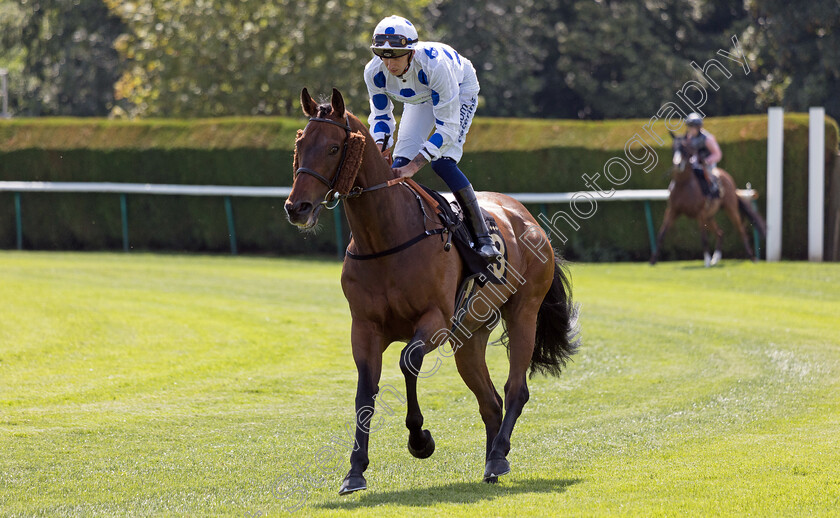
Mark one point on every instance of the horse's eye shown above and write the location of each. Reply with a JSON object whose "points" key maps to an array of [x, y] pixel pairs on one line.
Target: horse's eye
{"points": [[333, 150]]}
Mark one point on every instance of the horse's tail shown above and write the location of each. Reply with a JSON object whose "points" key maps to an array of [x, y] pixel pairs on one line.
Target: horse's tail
{"points": [[558, 333], [753, 216]]}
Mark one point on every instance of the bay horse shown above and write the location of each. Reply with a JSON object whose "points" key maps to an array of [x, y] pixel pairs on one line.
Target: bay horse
{"points": [[406, 291], [687, 198]]}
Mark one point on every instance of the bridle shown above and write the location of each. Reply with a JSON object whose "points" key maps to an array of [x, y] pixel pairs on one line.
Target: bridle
{"points": [[331, 196]]}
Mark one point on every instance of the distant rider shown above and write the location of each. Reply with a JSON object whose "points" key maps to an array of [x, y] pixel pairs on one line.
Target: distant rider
{"points": [[439, 91], [707, 154]]}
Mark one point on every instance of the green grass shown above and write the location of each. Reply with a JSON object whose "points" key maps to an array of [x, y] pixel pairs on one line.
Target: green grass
{"points": [[191, 385]]}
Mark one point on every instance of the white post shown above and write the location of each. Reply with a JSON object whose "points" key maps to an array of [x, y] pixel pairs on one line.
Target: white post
{"points": [[775, 145], [816, 183]]}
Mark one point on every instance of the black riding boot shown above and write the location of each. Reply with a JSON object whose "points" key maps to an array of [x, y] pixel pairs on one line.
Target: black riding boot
{"points": [[476, 224], [704, 185]]}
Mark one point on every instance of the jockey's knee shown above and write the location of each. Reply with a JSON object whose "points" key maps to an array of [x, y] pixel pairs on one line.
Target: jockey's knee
{"points": [[449, 172]]}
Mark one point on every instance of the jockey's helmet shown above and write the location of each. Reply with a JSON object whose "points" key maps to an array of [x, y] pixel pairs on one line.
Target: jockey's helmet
{"points": [[393, 37], [694, 119]]}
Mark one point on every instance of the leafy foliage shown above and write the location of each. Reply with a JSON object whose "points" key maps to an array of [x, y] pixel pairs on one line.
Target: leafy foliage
{"points": [[584, 59], [799, 51], [69, 65], [535, 58], [213, 57]]}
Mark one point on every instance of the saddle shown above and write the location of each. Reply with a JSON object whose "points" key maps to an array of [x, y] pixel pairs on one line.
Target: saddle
{"points": [[451, 216], [477, 271]]}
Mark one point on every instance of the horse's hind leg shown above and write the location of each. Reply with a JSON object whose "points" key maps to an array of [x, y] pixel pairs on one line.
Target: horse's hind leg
{"points": [[522, 327], [735, 218], [472, 366]]}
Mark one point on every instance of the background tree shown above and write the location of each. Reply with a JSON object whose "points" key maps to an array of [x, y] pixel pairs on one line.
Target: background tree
{"points": [[798, 52], [592, 59], [588, 59], [63, 55], [12, 52], [216, 57]]}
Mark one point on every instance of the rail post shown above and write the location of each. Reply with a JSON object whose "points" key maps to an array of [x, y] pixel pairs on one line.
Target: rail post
{"points": [[124, 220], [651, 233], [231, 224], [18, 223]]}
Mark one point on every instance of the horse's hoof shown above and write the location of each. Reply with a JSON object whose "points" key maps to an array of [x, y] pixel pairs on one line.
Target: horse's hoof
{"points": [[492, 480], [496, 468], [426, 451], [716, 257], [352, 483]]}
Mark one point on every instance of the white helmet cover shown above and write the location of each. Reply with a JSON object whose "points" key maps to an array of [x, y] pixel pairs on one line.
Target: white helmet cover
{"points": [[394, 32]]}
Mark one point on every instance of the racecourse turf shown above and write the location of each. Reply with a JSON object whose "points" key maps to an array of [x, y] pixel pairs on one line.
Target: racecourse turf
{"points": [[161, 385]]}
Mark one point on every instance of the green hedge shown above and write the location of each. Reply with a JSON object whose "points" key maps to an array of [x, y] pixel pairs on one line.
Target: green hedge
{"points": [[507, 155]]}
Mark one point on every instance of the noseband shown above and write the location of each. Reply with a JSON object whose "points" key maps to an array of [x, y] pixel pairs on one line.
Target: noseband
{"points": [[331, 196]]}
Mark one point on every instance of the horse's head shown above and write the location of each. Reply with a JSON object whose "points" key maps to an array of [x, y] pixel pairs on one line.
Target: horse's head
{"points": [[328, 155], [682, 153]]}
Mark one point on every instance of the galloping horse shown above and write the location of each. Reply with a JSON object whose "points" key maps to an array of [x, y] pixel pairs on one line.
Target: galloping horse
{"points": [[406, 291], [687, 198]]}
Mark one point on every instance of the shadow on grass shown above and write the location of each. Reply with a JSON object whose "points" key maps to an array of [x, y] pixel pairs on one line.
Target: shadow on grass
{"points": [[455, 493], [730, 263]]}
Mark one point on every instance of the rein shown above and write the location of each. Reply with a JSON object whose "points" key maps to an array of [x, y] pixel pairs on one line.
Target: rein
{"points": [[333, 197]]}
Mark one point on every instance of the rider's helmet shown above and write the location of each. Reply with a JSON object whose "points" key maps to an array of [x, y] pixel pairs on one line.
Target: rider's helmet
{"points": [[393, 37], [694, 119]]}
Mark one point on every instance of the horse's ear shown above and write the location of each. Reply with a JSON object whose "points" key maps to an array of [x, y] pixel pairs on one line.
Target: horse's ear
{"points": [[337, 103], [310, 107]]}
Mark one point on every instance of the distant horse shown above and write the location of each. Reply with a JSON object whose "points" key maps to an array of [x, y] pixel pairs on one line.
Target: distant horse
{"points": [[406, 290], [687, 198]]}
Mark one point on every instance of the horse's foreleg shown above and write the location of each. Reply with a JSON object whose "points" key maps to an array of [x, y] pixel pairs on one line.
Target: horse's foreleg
{"points": [[367, 353], [420, 442], [718, 233], [666, 224], [704, 241]]}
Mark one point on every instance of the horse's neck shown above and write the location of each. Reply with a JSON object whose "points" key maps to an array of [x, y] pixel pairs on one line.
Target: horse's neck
{"points": [[685, 175], [383, 218]]}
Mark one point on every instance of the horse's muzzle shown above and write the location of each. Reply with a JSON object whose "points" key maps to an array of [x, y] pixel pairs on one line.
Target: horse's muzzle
{"points": [[300, 213]]}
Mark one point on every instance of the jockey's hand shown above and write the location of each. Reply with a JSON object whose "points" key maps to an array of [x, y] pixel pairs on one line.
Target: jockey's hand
{"points": [[409, 169], [405, 171]]}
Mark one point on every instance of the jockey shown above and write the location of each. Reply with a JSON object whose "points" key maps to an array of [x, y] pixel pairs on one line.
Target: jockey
{"points": [[707, 154], [439, 91]]}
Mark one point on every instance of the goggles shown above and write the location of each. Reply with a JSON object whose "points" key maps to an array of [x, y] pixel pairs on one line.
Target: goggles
{"points": [[394, 40]]}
